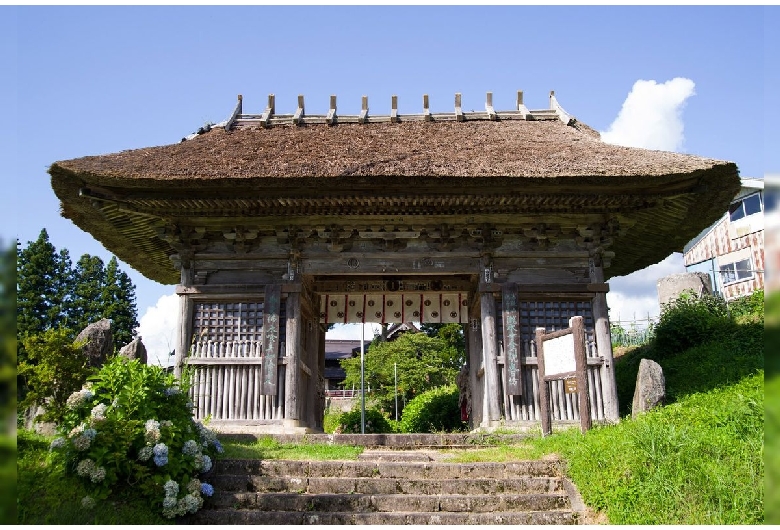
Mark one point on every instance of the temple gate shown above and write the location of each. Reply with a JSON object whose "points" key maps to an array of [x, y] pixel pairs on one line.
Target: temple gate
{"points": [[274, 226]]}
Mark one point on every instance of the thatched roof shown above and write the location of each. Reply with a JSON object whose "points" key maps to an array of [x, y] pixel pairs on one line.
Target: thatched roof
{"points": [[501, 157]]}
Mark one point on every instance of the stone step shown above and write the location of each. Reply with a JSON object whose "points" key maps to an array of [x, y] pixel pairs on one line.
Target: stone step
{"points": [[233, 516], [374, 455], [383, 485], [395, 441], [382, 469], [328, 502]]}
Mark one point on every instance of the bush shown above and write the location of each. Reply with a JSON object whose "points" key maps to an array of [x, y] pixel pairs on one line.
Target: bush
{"points": [[436, 410], [133, 423], [689, 321], [54, 369], [376, 422]]}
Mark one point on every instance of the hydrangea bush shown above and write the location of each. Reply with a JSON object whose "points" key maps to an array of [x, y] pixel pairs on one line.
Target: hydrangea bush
{"points": [[132, 424]]}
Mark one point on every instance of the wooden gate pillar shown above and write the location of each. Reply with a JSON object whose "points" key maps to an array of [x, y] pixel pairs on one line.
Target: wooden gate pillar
{"points": [[604, 344], [184, 329], [476, 371], [491, 410], [293, 348]]}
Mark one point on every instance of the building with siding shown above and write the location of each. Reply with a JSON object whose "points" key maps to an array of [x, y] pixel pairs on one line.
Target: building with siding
{"points": [[731, 250]]}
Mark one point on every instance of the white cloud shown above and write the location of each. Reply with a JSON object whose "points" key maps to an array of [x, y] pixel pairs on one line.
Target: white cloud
{"points": [[651, 116], [635, 296], [352, 332], [158, 329]]}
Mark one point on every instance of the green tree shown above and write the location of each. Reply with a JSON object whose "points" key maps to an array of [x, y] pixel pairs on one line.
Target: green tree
{"points": [[423, 363], [89, 279], [118, 303], [38, 270]]}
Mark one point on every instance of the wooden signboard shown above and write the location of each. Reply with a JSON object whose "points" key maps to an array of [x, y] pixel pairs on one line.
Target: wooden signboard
{"points": [[512, 343], [273, 295], [562, 356]]}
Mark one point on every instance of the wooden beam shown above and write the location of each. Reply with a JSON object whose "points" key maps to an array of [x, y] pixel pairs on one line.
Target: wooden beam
{"points": [[490, 353], [574, 288], [299, 112], [604, 345], [489, 106], [294, 346], [520, 106], [393, 109], [269, 111], [458, 109], [426, 109], [364, 111], [236, 113], [331, 117]]}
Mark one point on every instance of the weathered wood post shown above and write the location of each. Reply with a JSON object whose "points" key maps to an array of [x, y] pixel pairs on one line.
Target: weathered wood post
{"points": [[492, 411], [294, 346], [184, 329], [476, 370], [604, 343]]}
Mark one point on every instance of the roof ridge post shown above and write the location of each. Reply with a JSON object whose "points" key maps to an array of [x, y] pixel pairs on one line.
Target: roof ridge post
{"points": [[236, 113], [269, 111], [520, 106], [426, 109], [364, 111], [489, 106], [299, 111], [458, 110], [564, 116], [331, 117], [394, 109]]}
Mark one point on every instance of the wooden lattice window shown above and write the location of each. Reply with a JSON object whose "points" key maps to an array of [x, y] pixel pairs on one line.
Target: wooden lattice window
{"points": [[552, 315], [228, 321]]}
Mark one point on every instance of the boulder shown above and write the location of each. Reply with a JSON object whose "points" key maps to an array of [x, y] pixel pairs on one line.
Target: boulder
{"points": [[135, 350], [99, 342], [650, 387]]}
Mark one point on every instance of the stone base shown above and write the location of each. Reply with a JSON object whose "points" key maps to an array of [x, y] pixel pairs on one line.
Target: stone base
{"points": [[259, 429]]}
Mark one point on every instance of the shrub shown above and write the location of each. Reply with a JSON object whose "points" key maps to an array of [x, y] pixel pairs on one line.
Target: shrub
{"points": [[688, 321], [133, 423], [376, 422], [436, 410], [54, 369]]}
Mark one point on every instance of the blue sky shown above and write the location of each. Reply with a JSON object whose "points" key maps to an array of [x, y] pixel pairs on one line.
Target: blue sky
{"points": [[94, 80]]}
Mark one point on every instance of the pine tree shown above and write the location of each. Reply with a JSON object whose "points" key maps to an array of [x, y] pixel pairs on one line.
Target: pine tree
{"points": [[118, 301], [86, 304], [38, 274]]}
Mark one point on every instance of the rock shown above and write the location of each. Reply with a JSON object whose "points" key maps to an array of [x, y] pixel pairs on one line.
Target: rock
{"points": [[135, 350], [671, 287], [99, 342], [650, 387]]}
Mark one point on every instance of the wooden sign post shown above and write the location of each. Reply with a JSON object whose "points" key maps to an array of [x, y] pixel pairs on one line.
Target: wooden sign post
{"points": [[562, 356]]}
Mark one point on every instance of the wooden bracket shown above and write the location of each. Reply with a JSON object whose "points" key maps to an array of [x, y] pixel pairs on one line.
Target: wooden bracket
{"points": [[520, 106], [394, 109], [364, 111], [426, 109], [458, 109], [269, 111], [236, 113], [299, 112], [489, 106], [331, 117]]}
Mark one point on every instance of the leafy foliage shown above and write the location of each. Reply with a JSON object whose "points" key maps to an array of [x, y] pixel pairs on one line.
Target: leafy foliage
{"points": [[52, 293], [376, 422], [53, 370], [435, 410], [689, 320], [133, 423], [423, 363]]}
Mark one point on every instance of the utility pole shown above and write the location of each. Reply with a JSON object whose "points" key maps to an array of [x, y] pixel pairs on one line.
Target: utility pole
{"points": [[362, 379]]}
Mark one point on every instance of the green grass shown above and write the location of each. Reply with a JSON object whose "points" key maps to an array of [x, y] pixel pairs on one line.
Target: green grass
{"points": [[269, 449], [47, 495]]}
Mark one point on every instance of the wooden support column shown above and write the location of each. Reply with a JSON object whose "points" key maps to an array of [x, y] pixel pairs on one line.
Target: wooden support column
{"points": [[491, 409], [184, 329], [604, 344], [476, 372], [294, 346]]}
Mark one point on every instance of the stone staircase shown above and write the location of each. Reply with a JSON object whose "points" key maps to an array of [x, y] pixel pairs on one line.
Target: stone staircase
{"points": [[389, 487]]}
